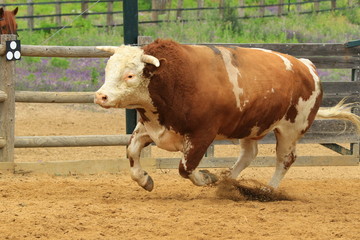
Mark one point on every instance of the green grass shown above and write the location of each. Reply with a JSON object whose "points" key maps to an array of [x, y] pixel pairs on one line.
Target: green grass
{"points": [[339, 27], [322, 27], [45, 9]]}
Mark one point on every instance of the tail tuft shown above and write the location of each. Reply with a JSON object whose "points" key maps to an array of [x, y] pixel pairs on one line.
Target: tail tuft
{"points": [[342, 111]]}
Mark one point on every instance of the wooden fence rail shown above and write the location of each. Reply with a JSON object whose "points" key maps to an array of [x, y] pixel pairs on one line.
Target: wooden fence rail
{"points": [[324, 131], [71, 141], [54, 97], [317, 51], [334, 92]]}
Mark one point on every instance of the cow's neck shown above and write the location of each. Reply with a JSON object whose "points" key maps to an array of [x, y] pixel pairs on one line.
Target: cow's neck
{"points": [[148, 113]]}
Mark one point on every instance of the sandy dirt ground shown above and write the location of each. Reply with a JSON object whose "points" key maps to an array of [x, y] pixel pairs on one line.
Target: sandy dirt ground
{"points": [[324, 200]]}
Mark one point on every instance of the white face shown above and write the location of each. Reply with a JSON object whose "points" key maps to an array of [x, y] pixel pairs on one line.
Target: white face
{"points": [[124, 86]]}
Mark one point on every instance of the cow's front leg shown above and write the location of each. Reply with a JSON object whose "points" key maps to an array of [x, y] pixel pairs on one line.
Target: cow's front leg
{"points": [[138, 141], [194, 150]]}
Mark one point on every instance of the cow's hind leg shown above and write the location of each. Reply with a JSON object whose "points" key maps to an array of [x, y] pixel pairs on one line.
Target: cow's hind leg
{"points": [[285, 154], [138, 141], [248, 152]]}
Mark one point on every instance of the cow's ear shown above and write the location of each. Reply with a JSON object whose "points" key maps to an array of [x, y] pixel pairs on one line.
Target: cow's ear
{"points": [[163, 62], [15, 11], [150, 69], [1, 12]]}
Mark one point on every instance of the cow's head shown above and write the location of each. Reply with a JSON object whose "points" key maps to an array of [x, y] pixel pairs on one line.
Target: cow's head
{"points": [[125, 86]]}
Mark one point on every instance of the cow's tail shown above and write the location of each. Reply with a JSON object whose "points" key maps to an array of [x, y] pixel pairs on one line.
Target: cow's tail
{"points": [[342, 111]]}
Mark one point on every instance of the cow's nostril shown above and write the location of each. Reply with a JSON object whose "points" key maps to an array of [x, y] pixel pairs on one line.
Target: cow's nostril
{"points": [[101, 97]]}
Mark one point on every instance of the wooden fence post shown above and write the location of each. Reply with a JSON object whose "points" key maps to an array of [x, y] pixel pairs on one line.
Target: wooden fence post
{"points": [[7, 105], [200, 4], [58, 12], [110, 16], [84, 7], [168, 6], [333, 5], [355, 147], [355, 76], [241, 9], [298, 6], [316, 5], [154, 14], [262, 8], [280, 8], [30, 11], [222, 7], [179, 6], [159, 5]]}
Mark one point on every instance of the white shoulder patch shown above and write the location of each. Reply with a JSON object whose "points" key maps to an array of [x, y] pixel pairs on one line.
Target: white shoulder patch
{"points": [[233, 74]]}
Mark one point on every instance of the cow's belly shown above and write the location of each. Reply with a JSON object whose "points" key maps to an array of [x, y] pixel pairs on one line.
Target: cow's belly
{"points": [[164, 138]]}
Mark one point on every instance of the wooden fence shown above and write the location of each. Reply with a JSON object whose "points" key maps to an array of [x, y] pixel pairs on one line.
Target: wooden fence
{"points": [[323, 131], [164, 11]]}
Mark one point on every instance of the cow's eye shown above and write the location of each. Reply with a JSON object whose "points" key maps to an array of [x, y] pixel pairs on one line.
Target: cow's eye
{"points": [[130, 76]]}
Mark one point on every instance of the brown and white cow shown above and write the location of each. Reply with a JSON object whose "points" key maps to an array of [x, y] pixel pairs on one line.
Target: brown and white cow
{"points": [[188, 96]]}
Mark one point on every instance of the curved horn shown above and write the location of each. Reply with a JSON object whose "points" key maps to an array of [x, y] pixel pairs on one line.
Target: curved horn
{"points": [[107, 48], [151, 60]]}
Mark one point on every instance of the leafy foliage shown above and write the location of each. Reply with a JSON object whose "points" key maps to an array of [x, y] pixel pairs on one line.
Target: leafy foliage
{"points": [[60, 63]]}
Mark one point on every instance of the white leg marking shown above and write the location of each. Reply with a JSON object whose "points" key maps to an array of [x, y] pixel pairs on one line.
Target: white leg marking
{"points": [[139, 139], [187, 147], [233, 74], [248, 152], [285, 153]]}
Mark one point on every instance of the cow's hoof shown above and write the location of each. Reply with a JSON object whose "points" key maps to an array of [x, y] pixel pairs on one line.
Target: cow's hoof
{"points": [[149, 185], [226, 174], [209, 177]]}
